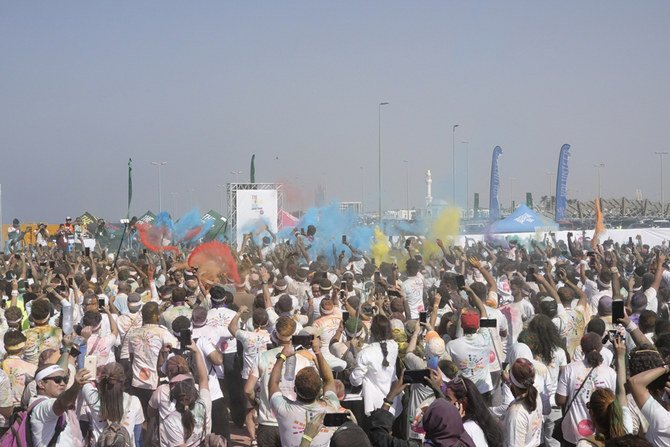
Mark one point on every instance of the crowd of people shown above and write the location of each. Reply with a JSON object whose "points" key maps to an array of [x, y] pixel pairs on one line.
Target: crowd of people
{"points": [[514, 343]]}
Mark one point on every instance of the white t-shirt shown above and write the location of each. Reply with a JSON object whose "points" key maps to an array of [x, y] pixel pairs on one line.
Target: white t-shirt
{"points": [[43, 424], [293, 416], [472, 353], [266, 361], [132, 410], [577, 422], [413, 288], [476, 433], [369, 372], [658, 417], [523, 428], [254, 343], [652, 299], [517, 313], [206, 348], [171, 430], [221, 317]]}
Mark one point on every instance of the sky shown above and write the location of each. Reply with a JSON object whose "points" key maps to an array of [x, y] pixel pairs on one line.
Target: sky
{"points": [[204, 85]]}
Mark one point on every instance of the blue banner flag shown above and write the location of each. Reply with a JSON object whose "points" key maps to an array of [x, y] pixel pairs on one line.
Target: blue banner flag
{"points": [[562, 183], [494, 205]]}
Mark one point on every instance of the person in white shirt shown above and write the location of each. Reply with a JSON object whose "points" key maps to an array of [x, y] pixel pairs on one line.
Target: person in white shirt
{"points": [[577, 383], [307, 405], [50, 417], [523, 419], [647, 388], [413, 288], [375, 364]]}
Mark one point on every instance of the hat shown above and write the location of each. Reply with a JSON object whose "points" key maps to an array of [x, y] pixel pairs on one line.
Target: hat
{"points": [[348, 273], [470, 320], [397, 324], [638, 301], [605, 306], [284, 304], [199, 316], [325, 285], [280, 284]]}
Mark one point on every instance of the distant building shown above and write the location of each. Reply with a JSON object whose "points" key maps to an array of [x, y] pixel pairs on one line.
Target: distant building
{"points": [[351, 207]]}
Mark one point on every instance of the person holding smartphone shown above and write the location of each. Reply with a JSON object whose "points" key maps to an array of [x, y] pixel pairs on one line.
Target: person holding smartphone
{"points": [[310, 383]]}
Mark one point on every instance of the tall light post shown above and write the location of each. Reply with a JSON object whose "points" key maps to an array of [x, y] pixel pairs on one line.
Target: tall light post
{"points": [[407, 188], [379, 114], [159, 164], [453, 164], [551, 178], [661, 154], [598, 167], [467, 177]]}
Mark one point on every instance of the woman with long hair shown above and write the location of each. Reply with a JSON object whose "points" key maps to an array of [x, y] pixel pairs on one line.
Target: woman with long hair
{"points": [[375, 368], [523, 420], [580, 379], [107, 403], [550, 350], [609, 411], [478, 421]]}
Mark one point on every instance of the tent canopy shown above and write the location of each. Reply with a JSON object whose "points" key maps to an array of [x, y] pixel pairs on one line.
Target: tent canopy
{"points": [[523, 220]]}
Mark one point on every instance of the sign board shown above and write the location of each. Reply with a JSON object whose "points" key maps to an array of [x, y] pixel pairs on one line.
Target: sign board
{"points": [[255, 207]]}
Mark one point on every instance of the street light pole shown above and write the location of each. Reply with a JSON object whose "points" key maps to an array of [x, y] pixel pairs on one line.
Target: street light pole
{"points": [[407, 188], [467, 177], [661, 154], [159, 164], [237, 175], [379, 114], [598, 167], [453, 164]]}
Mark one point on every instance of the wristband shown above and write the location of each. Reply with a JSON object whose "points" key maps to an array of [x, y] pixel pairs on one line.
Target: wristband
{"points": [[317, 352], [307, 438], [281, 356], [631, 327], [15, 293], [388, 402]]}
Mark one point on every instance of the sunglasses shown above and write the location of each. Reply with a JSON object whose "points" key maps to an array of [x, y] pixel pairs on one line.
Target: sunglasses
{"points": [[58, 380]]}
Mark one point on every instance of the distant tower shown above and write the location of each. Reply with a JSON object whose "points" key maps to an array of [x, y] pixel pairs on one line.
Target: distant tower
{"points": [[429, 189]]}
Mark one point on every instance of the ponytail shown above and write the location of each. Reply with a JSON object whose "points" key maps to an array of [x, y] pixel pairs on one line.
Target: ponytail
{"points": [[593, 359], [385, 352], [188, 422], [530, 398], [615, 423]]}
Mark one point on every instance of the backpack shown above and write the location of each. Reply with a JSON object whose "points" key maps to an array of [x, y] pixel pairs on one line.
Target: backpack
{"points": [[19, 433], [112, 434]]}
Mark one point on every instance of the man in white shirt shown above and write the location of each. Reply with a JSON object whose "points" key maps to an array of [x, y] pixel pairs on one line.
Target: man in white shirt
{"points": [[413, 287], [49, 419]]}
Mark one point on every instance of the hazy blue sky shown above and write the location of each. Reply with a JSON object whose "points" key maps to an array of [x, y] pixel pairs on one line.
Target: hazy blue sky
{"points": [[203, 85]]}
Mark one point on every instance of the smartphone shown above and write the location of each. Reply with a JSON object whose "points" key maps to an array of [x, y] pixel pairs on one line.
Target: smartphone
{"points": [[530, 274], [422, 317], [378, 276], [345, 316], [344, 238], [87, 251], [185, 339], [91, 364], [302, 340], [460, 281], [74, 352], [269, 346], [71, 282], [144, 251], [343, 285], [335, 419], [408, 242], [617, 310], [373, 261], [17, 256], [415, 376], [101, 303], [488, 322], [52, 264]]}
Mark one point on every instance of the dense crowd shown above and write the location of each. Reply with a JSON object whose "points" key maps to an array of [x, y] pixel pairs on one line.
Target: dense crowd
{"points": [[515, 343]]}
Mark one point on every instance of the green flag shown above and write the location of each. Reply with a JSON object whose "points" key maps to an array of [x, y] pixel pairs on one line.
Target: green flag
{"points": [[252, 170], [130, 185]]}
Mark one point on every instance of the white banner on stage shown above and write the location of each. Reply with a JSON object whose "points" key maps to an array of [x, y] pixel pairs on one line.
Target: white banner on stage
{"points": [[255, 207]]}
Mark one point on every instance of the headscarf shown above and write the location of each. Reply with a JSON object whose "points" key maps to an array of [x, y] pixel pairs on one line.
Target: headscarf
{"points": [[444, 426]]}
